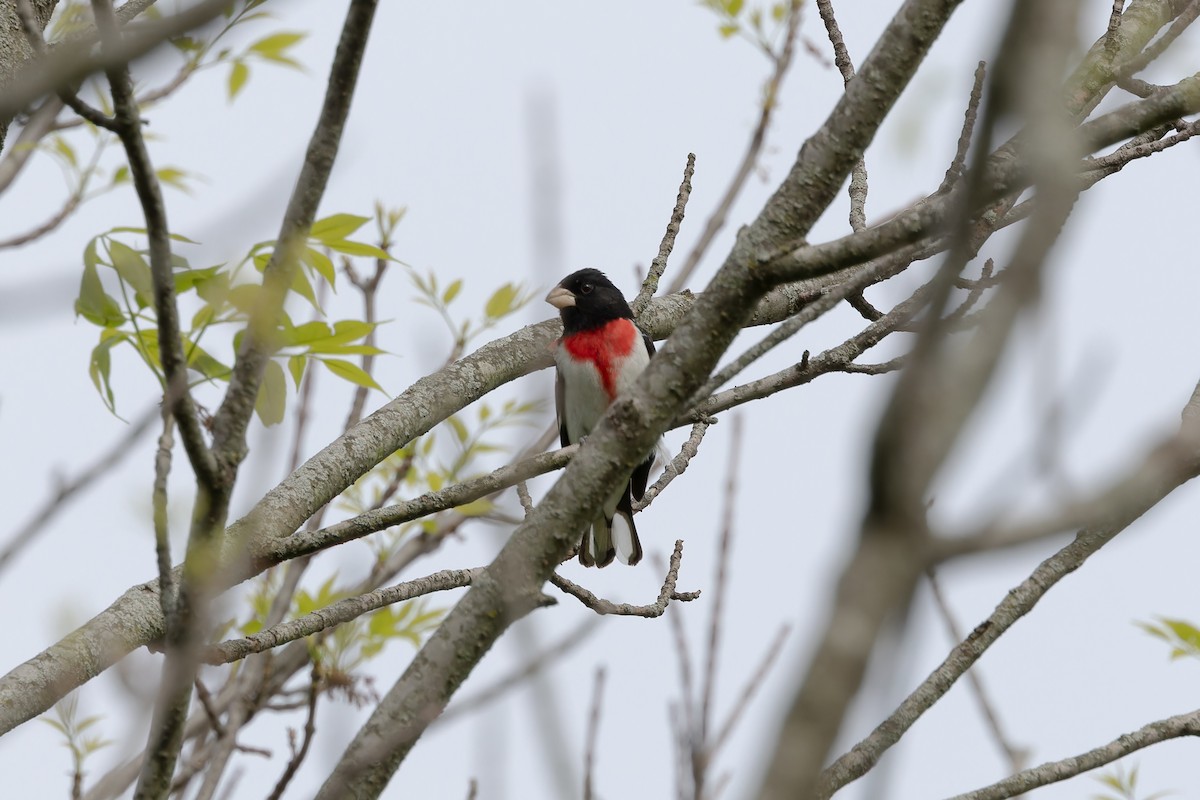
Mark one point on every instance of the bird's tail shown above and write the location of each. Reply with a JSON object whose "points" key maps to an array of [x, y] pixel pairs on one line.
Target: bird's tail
{"points": [[612, 537]]}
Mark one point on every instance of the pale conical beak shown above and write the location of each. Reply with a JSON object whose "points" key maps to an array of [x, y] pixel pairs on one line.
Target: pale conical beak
{"points": [[560, 297]]}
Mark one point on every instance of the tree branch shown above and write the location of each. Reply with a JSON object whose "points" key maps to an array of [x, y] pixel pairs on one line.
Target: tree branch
{"points": [[652, 611], [1052, 772], [69, 64], [336, 614]]}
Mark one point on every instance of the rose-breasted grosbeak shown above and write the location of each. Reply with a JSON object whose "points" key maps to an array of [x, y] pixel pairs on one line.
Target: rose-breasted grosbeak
{"points": [[600, 355]]}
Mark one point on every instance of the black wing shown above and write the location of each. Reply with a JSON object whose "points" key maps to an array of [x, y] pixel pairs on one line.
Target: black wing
{"points": [[641, 473], [558, 409]]}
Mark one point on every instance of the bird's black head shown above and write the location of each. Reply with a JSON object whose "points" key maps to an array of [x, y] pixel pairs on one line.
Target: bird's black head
{"points": [[587, 299]]}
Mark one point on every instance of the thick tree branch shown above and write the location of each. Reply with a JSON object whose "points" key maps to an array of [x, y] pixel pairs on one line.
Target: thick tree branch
{"points": [[634, 422]]}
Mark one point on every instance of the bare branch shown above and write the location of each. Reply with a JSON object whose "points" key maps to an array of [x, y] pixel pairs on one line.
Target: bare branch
{"points": [[650, 285], [721, 583], [1017, 756], [310, 728], [753, 684], [955, 171], [676, 466], [716, 220], [70, 64], [1052, 772], [593, 730], [654, 610], [66, 490], [337, 613], [1016, 604], [533, 666], [162, 522]]}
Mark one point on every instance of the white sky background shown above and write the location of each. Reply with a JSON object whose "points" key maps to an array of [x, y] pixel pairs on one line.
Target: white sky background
{"points": [[441, 124]]}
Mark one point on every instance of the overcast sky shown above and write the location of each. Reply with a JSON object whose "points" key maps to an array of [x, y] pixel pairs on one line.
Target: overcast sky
{"points": [[442, 124]]}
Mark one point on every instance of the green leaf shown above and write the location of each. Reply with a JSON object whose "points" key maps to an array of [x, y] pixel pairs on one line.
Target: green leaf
{"points": [[734, 7], [728, 29], [101, 364], [237, 78], [320, 262], [147, 342], [357, 249], [303, 287], [178, 237], [476, 508], [205, 364], [345, 349], [172, 176], [133, 269], [351, 372], [501, 301], [274, 47], [64, 149], [244, 297], [348, 330], [272, 395], [188, 279], [307, 333], [296, 366], [121, 175], [460, 430], [452, 292], [94, 304], [336, 227]]}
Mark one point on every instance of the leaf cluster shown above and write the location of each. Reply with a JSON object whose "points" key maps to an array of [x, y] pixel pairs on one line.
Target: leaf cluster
{"points": [[117, 295], [1182, 636]]}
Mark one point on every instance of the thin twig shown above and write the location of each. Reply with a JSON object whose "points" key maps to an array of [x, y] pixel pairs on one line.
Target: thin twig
{"points": [[102, 467], [525, 498], [685, 717], [1016, 604], [1017, 756], [958, 163], [593, 731], [716, 221], [721, 581], [654, 610], [310, 728], [678, 465], [659, 263], [751, 688], [70, 63], [162, 527], [858, 177], [34, 35], [701, 753], [128, 121], [533, 666], [1052, 772], [337, 613]]}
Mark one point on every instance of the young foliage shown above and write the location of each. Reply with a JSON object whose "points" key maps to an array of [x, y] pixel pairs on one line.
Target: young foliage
{"points": [[74, 730], [762, 26], [1182, 636], [1123, 786], [116, 295]]}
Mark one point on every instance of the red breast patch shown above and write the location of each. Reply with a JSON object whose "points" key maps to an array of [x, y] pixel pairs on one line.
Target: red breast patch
{"points": [[604, 347]]}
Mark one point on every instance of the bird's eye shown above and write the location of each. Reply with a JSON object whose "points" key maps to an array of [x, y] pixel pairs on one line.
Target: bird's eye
{"points": [[585, 288]]}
